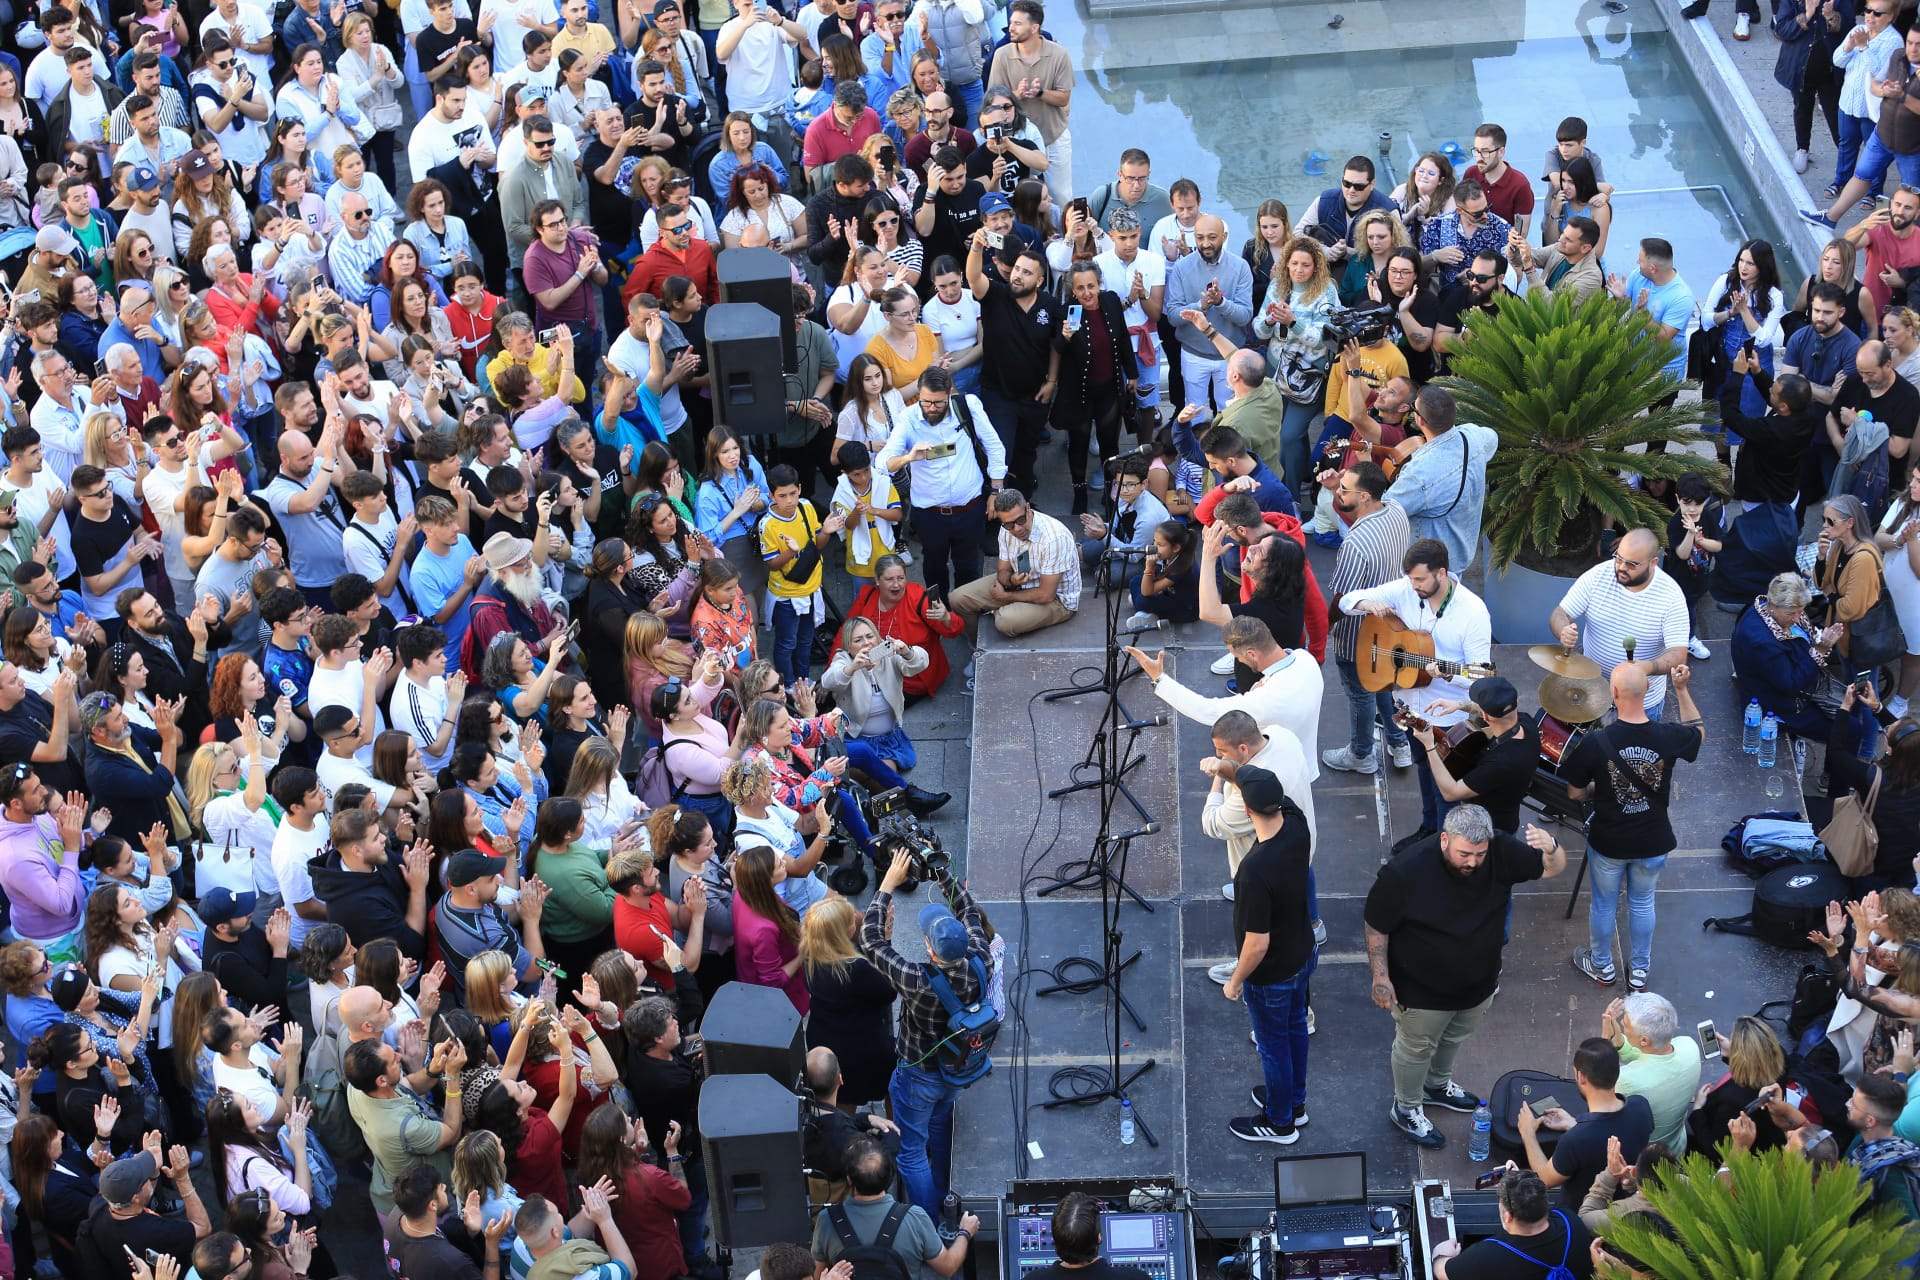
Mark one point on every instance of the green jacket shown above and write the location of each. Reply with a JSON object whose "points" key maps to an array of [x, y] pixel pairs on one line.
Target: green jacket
{"points": [[580, 901]]}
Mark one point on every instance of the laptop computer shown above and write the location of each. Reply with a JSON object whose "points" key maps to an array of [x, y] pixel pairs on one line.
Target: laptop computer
{"points": [[1320, 1201]]}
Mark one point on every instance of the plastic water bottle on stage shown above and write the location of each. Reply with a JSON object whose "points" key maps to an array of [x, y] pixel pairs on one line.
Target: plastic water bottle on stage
{"points": [[1126, 1122], [1480, 1146], [1750, 728], [1769, 741]]}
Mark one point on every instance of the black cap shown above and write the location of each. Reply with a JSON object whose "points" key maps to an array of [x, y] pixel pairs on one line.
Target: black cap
{"points": [[1494, 695], [1260, 790], [468, 865], [69, 987]]}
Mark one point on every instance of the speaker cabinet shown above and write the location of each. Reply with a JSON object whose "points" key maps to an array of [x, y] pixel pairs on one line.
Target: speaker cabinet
{"points": [[750, 1030], [749, 383], [762, 276], [750, 1131]]}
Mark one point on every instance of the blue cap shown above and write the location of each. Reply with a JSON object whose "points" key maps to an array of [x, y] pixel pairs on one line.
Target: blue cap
{"points": [[946, 936], [994, 202], [217, 906], [143, 178]]}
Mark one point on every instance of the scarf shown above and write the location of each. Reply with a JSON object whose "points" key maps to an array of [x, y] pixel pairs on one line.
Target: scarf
{"points": [[176, 813], [863, 535]]}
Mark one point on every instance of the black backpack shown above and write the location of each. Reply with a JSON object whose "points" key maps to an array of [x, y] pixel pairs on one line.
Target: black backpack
{"points": [[876, 1260]]}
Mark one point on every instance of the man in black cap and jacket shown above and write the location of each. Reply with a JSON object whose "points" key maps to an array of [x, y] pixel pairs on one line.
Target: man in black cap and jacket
{"points": [[1499, 772]]}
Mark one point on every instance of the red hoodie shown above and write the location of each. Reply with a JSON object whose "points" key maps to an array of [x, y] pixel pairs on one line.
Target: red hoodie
{"points": [[1315, 604], [474, 330]]}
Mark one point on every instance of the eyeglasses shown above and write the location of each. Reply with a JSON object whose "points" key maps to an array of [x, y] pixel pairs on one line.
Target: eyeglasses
{"points": [[1355, 186], [1488, 151], [1629, 564], [551, 225]]}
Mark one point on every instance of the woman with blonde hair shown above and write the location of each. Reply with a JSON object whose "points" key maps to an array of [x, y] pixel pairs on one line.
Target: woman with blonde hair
{"points": [[852, 1009], [1838, 261], [1754, 1060], [108, 444], [606, 802], [1900, 330], [171, 293], [1272, 228], [1376, 234], [1292, 322], [492, 997], [653, 658]]}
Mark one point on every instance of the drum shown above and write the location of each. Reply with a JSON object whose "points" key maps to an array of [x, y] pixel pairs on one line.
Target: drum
{"points": [[1557, 741]]}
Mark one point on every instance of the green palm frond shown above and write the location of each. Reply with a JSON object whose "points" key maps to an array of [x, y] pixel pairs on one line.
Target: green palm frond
{"points": [[1777, 1221], [1573, 389]]}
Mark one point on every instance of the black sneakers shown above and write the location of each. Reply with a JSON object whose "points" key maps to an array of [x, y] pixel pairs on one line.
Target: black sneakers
{"points": [[1453, 1098], [1260, 1101], [1260, 1129], [1413, 1122]]}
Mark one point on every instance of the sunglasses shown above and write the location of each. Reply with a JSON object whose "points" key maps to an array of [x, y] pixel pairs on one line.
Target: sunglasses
{"points": [[886, 222], [1355, 186], [542, 143], [1481, 276], [221, 66], [672, 690], [360, 215], [680, 230]]}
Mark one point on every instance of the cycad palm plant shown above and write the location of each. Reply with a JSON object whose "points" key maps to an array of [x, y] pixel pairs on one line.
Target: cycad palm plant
{"points": [[1570, 387], [1777, 1221]]}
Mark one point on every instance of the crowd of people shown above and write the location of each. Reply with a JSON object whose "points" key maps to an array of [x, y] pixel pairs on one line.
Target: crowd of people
{"points": [[408, 717]]}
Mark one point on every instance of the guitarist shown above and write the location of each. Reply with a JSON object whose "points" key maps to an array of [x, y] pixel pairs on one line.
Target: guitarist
{"points": [[1427, 597], [1499, 779]]}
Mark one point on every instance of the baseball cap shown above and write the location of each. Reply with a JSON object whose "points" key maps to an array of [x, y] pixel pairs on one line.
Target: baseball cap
{"points": [[468, 865], [945, 934], [1494, 695], [55, 240], [994, 202], [532, 91], [124, 1178], [69, 986], [144, 177], [223, 904], [1260, 790], [198, 164], [9, 496]]}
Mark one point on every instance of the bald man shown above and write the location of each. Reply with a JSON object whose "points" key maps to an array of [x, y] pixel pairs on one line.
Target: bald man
{"points": [[1628, 609], [303, 499], [1256, 408], [1626, 769], [364, 1014], [1216, 287]]}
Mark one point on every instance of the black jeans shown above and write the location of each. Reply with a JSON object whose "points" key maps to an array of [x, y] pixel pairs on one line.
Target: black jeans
{"points": [[1100, 417], [1018, 420], [951, 535], [379, 154], [1824, 89]]}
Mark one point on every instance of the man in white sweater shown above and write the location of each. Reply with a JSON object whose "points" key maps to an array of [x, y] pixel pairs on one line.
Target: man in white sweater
{"points": [[1287, 693]]}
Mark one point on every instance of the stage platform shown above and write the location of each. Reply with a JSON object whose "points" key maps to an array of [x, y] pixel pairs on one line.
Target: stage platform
{"points": [[1199, 1041]]}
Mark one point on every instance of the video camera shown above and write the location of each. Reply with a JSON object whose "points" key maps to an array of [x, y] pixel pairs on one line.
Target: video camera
{"points": [[896, 828], [1364, 325]]}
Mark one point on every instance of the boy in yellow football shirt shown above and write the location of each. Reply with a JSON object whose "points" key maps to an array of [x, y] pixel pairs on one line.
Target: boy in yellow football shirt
{"points": [[791, 540]]}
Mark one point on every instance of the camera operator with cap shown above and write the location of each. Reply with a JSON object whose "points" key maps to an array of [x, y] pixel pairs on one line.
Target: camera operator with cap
{"points": [[1273, 931], [1499, 779], [121, 1221], [921, 1094]]}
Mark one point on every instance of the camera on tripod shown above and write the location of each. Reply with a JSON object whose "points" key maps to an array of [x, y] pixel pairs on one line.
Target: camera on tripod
{"points": [[897, 827]]}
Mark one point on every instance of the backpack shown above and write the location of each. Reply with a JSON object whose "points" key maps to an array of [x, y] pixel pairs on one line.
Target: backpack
{"points": [[966, 1053], [875, 1261], [325, 1086], [657, 784], [1559, 1272], [473, 656]]}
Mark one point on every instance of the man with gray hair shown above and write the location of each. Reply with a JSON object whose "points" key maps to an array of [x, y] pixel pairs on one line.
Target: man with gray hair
{"points": [[1436, 921], [358, 248], [1656, 1061], [1256, 408], [1138, 277], [134, 765], [840, 131]]}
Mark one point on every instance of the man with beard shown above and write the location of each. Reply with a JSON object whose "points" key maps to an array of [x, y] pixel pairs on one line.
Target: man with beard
{"points": [[35, 585], [1138, 277], [1629, 598], [1893, 250], [1823, 351], [1330, 218], [1218, 286], [1478, 288], [948, 211], [1436, 925], [466, 921], [177, 650], [36, 731], [1629, 835], [1020, 328], [303, 500], [1440, 502], [1657, 289], [1875, 387], [509, 600], [134, 765], [1571, 265], [1452, 240], [1767, 467], [1431, 599], [955, 455], [1370, 556], [368, 894], [1895, 140]]}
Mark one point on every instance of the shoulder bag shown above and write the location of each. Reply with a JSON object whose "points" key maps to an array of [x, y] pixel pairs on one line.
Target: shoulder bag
{"points": [[1852, 841]]}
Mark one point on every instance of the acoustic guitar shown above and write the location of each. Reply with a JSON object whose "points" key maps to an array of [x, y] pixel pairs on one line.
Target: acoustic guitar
{"points": [[1460, 745], [1392, 655]]}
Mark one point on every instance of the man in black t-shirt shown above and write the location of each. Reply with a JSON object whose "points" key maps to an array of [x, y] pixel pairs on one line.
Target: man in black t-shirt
{"points": [[38, 732], [1532, 1240], [1076, 1243], [1626, 769], [1581, 1155], [108, 545], [1479, 288], [1019, 326], [426, 1234], [948, 212], [1499, 778], [610, 139], [1273, 938], [1436, 925], [121, 1219], [1875, 386]]}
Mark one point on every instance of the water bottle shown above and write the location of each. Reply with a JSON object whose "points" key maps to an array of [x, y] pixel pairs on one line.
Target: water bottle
{"points": [[1126, 1122], [1480, 1145], [1769, 741], [1750, 728]]}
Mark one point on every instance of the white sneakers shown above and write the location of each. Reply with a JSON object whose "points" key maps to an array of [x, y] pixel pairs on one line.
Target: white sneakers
{"points": [[1698, 649], [1897, 707], [1799, 162], [1222, 665], [1742, 27], [1343, 759]]}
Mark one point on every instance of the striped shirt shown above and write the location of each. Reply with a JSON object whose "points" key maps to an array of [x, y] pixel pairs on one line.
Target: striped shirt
{"points": [[349, 260], [1049, 548], [173, 114], [1656, 616], [418, 711], [1369, 555]]}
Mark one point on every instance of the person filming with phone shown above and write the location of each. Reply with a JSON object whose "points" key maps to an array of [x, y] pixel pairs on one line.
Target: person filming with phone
{"points": [[955, 456]]}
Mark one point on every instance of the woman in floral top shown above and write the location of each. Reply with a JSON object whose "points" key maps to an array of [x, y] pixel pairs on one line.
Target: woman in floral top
{"points": [[1299, 352]]}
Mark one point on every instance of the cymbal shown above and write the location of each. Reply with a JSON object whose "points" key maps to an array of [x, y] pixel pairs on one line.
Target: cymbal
{"points": [[1574, 701], [1564, 662]]}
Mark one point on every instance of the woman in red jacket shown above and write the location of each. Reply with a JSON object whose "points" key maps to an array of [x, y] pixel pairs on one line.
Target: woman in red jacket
{"points": [[618, 1149], [904, 612]]}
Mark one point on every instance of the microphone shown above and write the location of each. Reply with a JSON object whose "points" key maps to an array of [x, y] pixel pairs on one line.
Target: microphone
{"points": [[1135, 452], [1151, 829], [1156, 722], [1158, 624]]}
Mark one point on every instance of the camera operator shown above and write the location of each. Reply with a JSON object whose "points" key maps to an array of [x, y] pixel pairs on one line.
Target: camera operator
{"points": [[1076, 1243], [922, 1095]]}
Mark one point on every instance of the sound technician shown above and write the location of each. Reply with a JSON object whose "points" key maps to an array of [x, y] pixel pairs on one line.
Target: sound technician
{"points": [[1076, 1243]]}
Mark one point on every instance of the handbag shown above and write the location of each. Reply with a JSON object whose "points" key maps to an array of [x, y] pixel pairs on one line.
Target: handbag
{"points": [[1876, 639], [222, 866], [1851, 838], [1299, 379], [386, 116]]}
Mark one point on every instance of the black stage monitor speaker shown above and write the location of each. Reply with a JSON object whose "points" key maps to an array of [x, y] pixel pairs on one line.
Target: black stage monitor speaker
{"points": [[750, 1030], [762, 276], [750, 1131], [748, 383]]}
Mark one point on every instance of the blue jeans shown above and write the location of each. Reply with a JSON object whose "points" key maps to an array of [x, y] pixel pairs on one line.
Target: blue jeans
{"points": [[792, 640], [1433, 806], [1295, 423], [1279, 1014], [971, 94], [1364, 708], [1853, 132], [923, 1108], [692, 1220], [1874, 159], [1641, 875]]}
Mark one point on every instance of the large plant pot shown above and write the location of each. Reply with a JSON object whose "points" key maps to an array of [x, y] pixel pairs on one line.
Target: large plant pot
{"points": [[1521, 601]]}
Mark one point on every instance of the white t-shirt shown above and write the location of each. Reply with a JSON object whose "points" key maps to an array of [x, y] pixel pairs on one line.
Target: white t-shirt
{"points": [[292, 850], [368, 547], [759, 74], [248, 1082], [130, 962], [34, 501], [228, 818], [508, 50], [1116, 277], [778, 219], [418, 711], [83, 125], [415, 17], [253, 25], [47, 76], [161, 488], [1656, 617], [434, 141], [957, 325], [343, 688], [337, 771], [1169, 228]]}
